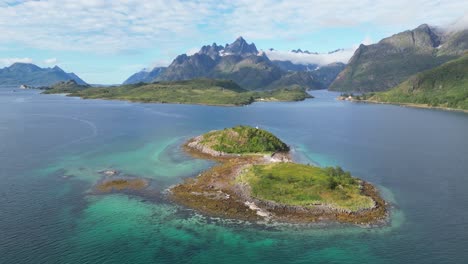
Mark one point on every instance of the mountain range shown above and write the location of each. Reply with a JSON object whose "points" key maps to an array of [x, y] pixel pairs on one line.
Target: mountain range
{"points": [[244, 64], [400, 63], [381, 66], [33, 75]]}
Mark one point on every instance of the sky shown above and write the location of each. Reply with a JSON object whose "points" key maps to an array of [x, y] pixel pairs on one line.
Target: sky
{"points": [[105, 41]]}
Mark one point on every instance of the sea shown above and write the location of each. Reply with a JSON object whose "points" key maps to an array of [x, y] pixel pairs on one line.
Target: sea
{"points": [[53, 149]]}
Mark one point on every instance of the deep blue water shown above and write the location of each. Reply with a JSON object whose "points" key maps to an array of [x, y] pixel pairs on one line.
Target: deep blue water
{"points": [[52, 148]]}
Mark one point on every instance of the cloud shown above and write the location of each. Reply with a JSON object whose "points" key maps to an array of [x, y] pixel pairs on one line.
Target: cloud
{"points": [[267, 19], [321, 59], [99, 25], [303, 58], [160, 63], [4, 62], [51, 61], [192, 51], [459, 24], [106, 26], [367, 40]]}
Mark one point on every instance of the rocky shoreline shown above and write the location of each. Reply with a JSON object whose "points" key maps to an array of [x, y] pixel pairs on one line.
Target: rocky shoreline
{"points": [[215, 192]]}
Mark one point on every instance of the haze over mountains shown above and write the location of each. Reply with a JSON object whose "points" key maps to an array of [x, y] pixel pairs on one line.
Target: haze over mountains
{"points": [[30, 74], [244, 64]]}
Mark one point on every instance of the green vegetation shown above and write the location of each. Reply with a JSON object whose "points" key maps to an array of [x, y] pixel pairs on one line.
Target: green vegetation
{"points": [[381, 66], [283, 190], [243, 139], [197, 91], [444, 86], [70, 86], [304, 185], [286, 94]]}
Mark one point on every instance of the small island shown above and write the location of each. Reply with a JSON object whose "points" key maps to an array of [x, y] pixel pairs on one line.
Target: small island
{"points": [[195, 91], [257, 180]]}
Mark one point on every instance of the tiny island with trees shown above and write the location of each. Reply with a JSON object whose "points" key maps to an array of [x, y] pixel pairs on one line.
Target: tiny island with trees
{"points": [[256, 179]]}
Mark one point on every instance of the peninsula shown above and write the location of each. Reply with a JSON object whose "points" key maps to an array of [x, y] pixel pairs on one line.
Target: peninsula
{"points": [[196, 91], [444, 87], [255, 179]]}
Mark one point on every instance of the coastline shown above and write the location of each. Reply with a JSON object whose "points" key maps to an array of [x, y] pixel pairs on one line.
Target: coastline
{"points": [[175, 103], [423, 106], [216, 193]]}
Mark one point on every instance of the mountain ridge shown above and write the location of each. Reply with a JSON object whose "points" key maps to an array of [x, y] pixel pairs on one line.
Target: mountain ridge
{"points": [[392, 60], [243, 63], [30, 74]]}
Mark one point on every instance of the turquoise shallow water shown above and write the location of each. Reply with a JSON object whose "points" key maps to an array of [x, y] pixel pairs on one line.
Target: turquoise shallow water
{"points": [[53, 147]]}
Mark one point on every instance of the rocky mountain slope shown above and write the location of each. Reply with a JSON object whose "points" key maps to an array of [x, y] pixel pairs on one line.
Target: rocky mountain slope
{"points": [[383, 65], [244, 64], [145, 75], [30, 74]]}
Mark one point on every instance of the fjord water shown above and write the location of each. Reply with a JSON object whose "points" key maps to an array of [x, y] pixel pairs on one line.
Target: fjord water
{"points": [[52, 148]]}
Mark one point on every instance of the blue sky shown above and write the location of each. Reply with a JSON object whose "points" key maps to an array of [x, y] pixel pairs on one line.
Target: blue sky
{"points": [[105, 41]]}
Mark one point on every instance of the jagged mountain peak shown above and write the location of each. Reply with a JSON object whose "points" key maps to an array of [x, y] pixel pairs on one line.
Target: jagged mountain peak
{"points": [[211, 50], [57, 68], [240, 47], [240, 39], [423, 36], [239, 61]]}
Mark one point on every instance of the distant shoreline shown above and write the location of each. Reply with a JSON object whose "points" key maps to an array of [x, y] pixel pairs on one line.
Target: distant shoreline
{"points": [[196, 91], [412, 105], [176, 103]]}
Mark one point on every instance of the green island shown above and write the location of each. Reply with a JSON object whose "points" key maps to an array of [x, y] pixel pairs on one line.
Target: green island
{"points": [[196, 91], [443, 87], [255, 179]]}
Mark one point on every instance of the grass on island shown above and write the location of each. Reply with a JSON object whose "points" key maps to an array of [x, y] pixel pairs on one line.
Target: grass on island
{"points": [[304, 185], [197, 91], [243, 140]]}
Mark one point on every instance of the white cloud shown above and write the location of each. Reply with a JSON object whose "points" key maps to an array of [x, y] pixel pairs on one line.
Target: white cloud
{"points": [[192, 51], [321, 59], [303, 58], [159, 63], [367, 40], [51, 61], [266, 19], [4, 62], [107, 26], [459, 24]]}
